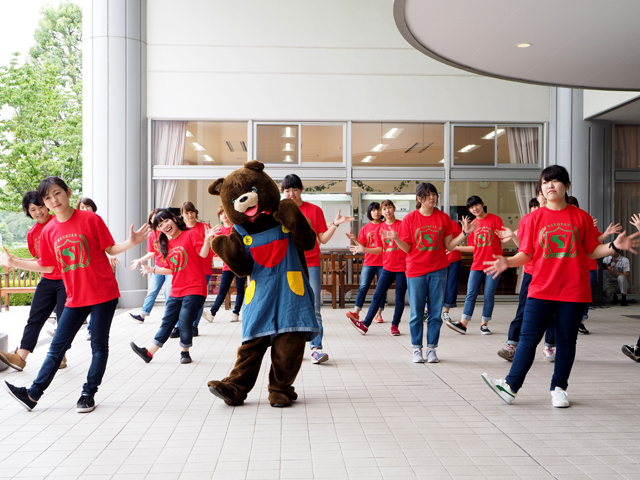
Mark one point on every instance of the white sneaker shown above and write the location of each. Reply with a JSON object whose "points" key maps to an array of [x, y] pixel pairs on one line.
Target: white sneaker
{"points": [[559, 398], [235, 317], [500, 387], [431, 356], [52, 320], [208, 317], [417, 355], [446, 317], [52, 332]]}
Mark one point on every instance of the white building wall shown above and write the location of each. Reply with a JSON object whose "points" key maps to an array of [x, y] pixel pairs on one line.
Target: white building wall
{"points": [[311, 60]]}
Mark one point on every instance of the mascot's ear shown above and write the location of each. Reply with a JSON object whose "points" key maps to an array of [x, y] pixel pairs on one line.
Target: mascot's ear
{"points": [[215, 187], [254, 165]]}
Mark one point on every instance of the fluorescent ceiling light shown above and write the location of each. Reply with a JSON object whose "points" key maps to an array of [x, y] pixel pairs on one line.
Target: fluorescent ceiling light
{"points": [[441, 161], [393, 133], [189, 134], [288, 133], [367, 159], [288, 158], [380, 147], [468, 148], [197, 146], [207, 158], [490, 136], [523, 45], [288, 148]]}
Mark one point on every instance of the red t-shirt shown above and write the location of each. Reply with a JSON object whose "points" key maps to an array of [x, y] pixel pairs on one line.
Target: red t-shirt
{"points": [[225, 231], [528, 268], [315, 217], [185, 263], [425, 236], [559, 242], [153, 246], [593, 263], [486, 242], [367, 237], [207, 263], [393, 258], [77, 248], [455, 255], [33, 242]]}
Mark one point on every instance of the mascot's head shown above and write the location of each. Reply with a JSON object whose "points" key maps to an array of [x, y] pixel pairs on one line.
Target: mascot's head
{"points": [[246, 192]]}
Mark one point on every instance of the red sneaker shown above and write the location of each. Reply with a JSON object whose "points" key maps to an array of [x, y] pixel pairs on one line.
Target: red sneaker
{"points": [[353, 315], [378, 318], [394, 330], [360, 326]]}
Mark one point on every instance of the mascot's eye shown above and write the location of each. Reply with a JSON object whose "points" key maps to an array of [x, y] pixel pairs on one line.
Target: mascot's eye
{"points": [[233, 200], [254, 189]]}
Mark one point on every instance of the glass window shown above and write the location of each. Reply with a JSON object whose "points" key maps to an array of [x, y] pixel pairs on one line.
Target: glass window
{"points": [[322, 143], [517, 145], [300, 143], [397, 144], [627, 146], [277, 143], [474, 146], [215, 143]]}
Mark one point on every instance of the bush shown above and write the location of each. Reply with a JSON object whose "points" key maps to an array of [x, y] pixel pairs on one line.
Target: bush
{"points": [[18, 299]]}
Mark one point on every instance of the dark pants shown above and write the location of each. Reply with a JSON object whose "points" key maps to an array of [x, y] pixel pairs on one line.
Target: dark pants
{"points": [[538, 314], [384, 282], [593, 279], [366, 277], [225, 283], [516, 323], [453, 280], [179, 311], [68, 325], [49, 295]]}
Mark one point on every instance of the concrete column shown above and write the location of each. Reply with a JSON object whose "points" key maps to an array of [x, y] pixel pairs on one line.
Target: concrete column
{"points": [[114, 133]]}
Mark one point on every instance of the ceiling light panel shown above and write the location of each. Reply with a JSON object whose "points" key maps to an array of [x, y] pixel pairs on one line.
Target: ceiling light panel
{"points": [[491, 136], [207, 158], [468, 148], [367, 159], [197, 147], [393, 133], [380, 147]]}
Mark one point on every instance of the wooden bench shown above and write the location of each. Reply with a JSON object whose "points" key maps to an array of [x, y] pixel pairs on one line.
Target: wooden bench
{"points": [[329, 276], [351, 281], [17, 281]]}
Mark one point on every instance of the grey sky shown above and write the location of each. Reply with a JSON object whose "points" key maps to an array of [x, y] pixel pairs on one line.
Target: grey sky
{"points": [[18, 21]]}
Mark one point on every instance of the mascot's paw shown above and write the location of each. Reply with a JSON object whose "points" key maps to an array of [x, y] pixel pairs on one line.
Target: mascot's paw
{"points": [[277, 399], [224, 393]]}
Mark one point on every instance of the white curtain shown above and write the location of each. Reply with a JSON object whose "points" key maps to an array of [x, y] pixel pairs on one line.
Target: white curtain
{"points": [[523, 149], [168, 149]]}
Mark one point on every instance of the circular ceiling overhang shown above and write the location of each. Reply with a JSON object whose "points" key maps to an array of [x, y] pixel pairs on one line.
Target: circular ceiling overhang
{"points": [[593, 44]]}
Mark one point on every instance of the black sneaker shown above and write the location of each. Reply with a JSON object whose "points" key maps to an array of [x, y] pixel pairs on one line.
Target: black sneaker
{"points": [[457, 327], [583, 330], [21, 395], [175, 333], [484, 329], [195, 332], [623, 302], [185, 357], [142, 352], [137, 318], [85, 404], [632, 351], [614, 301]]}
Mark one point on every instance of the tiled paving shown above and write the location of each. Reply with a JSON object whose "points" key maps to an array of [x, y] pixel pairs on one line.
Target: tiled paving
{"points": [[368, 413]]}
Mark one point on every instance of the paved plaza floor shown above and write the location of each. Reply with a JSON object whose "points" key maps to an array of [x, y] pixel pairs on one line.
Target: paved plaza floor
{"points": [[368, 413]]}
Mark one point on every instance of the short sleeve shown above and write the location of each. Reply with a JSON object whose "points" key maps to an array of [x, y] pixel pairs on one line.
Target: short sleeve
{"points": [[31, 245], [362, 238], [321, 223], [197, 241], [150, 247], [47, 255], [450, 228], [525, 234], [404, 231], [591, 234], [105, 240]]}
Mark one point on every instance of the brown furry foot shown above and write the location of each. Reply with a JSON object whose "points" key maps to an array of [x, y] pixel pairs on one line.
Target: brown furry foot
{"points": [[224, 393], [280, 400]]}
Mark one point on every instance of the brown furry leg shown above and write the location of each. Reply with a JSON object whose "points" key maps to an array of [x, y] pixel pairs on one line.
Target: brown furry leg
{"points": [[287, 351], [234, 388]]}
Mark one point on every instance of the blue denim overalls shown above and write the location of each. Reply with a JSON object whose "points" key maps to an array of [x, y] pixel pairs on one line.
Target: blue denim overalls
{"points": [[279, 298]]}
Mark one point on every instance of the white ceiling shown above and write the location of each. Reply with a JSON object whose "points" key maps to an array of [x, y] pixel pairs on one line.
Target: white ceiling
{"points": [[591, 44]]}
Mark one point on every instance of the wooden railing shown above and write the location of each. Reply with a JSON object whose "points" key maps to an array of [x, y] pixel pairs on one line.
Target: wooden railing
{"points": [[17, 281]]}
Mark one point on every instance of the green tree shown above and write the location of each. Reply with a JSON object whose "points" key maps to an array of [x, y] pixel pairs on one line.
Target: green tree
{"points": [[42, 135], [7, 236]]}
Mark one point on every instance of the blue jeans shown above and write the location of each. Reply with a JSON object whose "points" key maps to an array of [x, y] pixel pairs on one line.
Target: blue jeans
{"points": [[179, 311], [453, 280], [384, 282], [516, 324], [593, 277], [196, 322], [68, 325], [225, 282], [429, 289], [476, 277], [538, 314], [315, 280], [366, 277], [155, 284]]}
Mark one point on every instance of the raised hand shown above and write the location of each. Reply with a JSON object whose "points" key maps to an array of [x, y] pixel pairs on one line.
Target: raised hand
{"points": [[113, 260], [627, 242], [595, 221], [145, 269], [611, 229], [134, 264], [209, 233], [5, 259], [356, 248], [352, 237], [505, 233], [343, 219], [497, 266], [139, 235], [467, 225], [389, 234], [635, 221]]}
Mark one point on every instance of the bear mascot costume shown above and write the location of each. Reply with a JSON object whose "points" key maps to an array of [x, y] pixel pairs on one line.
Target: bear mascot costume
{"points": [[267, 242]]}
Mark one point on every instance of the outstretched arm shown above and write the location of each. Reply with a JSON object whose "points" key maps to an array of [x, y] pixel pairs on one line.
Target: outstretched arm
{"points": [[9, 261], [231, 250], [135, 237]]}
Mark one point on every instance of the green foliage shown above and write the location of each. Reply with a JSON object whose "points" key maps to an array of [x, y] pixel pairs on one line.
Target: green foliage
{"points": [[42, 135], [18, 224], [7, 236], [18, 299]]}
